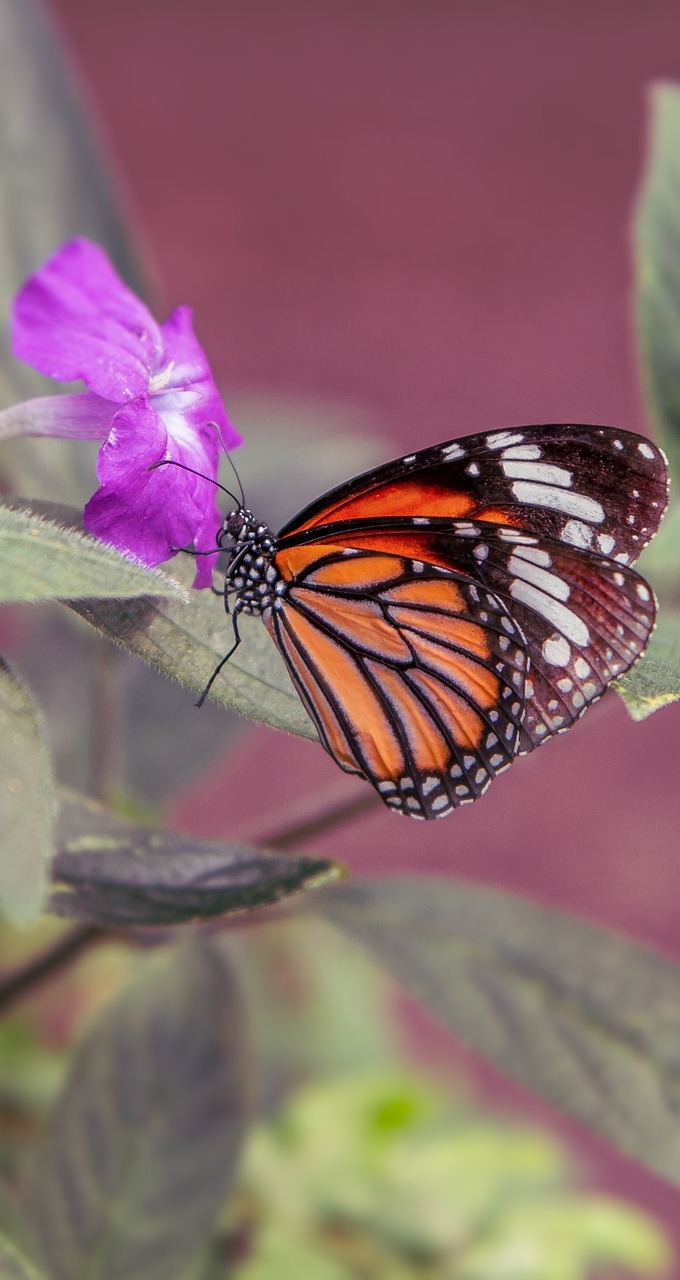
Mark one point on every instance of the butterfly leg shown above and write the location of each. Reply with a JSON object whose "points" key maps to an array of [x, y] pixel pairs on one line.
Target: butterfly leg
{"points": [[224, 660]]}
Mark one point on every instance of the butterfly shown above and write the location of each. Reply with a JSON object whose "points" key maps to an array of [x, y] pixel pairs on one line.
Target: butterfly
{"points": [[452, 610]]}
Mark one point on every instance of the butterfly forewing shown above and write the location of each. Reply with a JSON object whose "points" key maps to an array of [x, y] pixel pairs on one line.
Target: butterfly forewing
{"points": [[413, 675], [594, 488]]}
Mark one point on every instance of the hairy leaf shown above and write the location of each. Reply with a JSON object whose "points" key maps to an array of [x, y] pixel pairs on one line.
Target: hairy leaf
{"points": [[657, 245], [143, 1144], [654, 681], [185, 642], [585, 1018], [27, 802], [41, 560], [112, 873], [186, 638]]}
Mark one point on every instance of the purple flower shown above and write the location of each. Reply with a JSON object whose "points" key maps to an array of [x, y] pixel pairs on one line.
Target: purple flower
{"points": [[150, 396]]}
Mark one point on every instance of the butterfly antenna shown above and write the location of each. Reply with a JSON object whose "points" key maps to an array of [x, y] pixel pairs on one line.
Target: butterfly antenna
{"points": [[170, 462], [218, 429], [238, 479]]}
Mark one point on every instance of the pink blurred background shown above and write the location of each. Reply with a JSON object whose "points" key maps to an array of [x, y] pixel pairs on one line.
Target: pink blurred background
{"points": [[419, 210]]}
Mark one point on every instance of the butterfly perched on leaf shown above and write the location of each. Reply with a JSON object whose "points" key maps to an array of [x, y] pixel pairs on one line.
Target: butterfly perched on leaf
{"points": [[456, 608]]}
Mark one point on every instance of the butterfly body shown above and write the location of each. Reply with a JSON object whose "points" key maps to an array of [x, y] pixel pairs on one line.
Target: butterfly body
{"points": [[453, 609]]}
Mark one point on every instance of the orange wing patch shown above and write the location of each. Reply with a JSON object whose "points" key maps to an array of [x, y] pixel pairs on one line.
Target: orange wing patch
{"points": [[481, 685], [465, 635], [429, 748], [361, 623], [374, 734], [464, 724], [434, 593], [316, 701], [413, 678], [400, 498]]}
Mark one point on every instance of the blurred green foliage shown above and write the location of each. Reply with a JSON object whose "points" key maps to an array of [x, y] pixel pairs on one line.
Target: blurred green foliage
{"points": [[378, 1175]]}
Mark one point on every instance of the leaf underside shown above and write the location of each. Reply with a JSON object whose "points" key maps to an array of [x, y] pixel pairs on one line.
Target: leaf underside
{"points": [[583, 1017], [143, 1144], [112, 873]]}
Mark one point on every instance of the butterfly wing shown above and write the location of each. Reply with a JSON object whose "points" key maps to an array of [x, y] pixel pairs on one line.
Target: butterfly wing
{"points": [[594, 488], [413, 674], [585, 618]]}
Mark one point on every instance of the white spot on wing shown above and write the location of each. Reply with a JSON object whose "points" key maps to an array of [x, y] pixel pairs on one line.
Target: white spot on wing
{"points": [[606, 543], [572, 504], [577, 533], [557, 651], [535, 554], [542, 472], [500, 439], [453, 451], [563, 619], [548, 582], [524, 452], [646, 450]]}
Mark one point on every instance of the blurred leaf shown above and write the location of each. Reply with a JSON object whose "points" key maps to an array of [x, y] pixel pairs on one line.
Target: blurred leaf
{"points": [[186, 638], [143, 1144], [185, 642], [293, 972], [112, 873], [379, 1175], [103, 690], [14, 1231], [27, 804], [563, 1239], [654, 681], [14, 1265], [41, 560], [53, 185], [660, 561], [657, 244], [583, 1017]]}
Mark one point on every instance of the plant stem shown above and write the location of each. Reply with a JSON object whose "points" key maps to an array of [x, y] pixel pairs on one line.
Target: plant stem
{"points": [[48, 962], [305, 820], [297, 824]]}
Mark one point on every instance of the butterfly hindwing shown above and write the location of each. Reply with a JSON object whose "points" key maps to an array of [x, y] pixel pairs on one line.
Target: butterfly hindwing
{"points": [[585, 618], [594, 488], [413, 674]]}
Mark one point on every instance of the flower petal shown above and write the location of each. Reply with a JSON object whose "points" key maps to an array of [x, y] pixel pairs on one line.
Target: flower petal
{"points": [[184, 391], [75, 319], [149, 514], [81, 416]]}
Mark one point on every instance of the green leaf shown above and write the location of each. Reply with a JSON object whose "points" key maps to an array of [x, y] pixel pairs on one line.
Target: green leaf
{"points": [[657, 245], [654, 681], [14, 1265], [185, 642], [585, 1018], [143, 1144], [27, 802], [112, 873], [292, 973], [42, 560]]}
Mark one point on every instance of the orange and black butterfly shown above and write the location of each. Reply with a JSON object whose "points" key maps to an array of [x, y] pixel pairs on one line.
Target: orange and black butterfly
{"points": [[449, 611]]}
